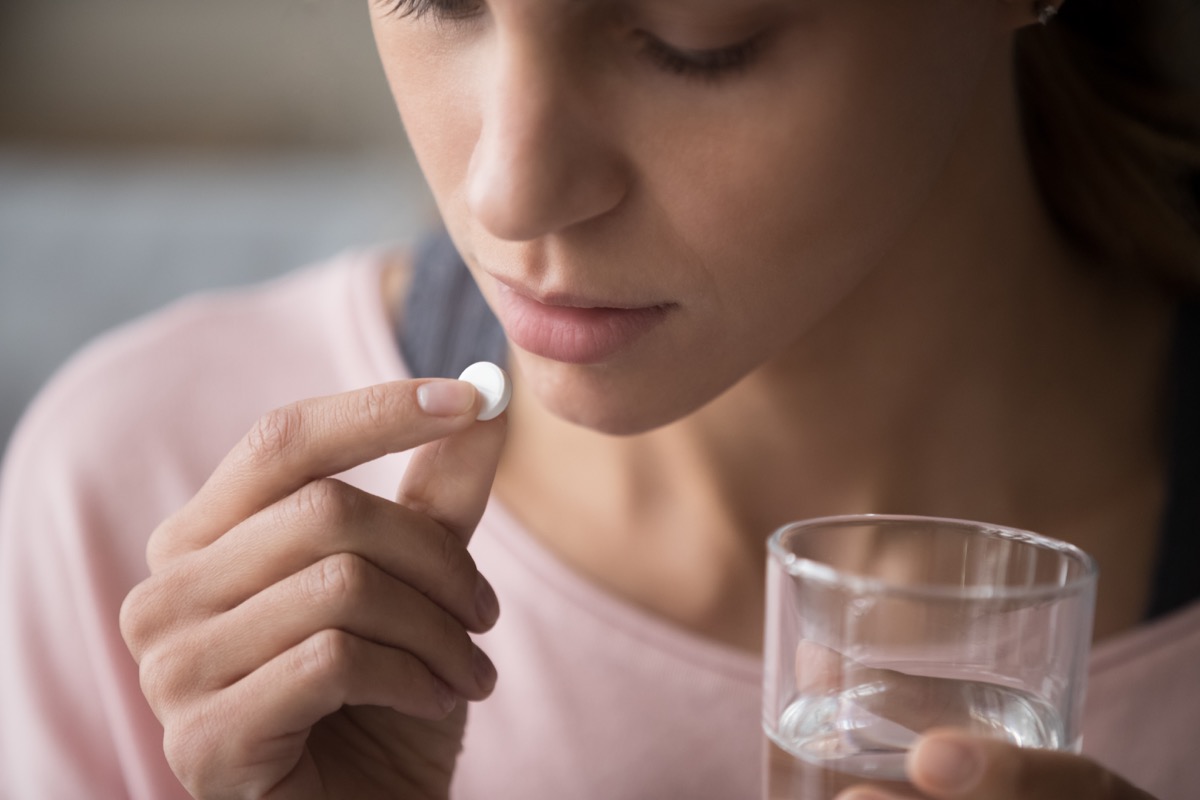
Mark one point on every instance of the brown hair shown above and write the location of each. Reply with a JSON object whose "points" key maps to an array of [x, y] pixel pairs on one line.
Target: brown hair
{"points": [[1110, 91]]}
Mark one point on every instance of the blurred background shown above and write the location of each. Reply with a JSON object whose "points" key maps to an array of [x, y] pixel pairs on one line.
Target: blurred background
{"points": [[152, 148]]}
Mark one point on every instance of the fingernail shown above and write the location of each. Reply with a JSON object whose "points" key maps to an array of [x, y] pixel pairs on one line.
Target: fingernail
{"points": [[445, 398], [486, 603], [444, 695], [946, 765], [485, 673]]}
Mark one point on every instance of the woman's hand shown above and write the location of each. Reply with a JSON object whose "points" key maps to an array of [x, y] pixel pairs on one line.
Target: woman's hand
{"points": [[950, 765], [299, 638]]}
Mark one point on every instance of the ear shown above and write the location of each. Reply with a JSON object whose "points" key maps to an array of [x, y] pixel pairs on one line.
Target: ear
{"points": [[1022, 13]]}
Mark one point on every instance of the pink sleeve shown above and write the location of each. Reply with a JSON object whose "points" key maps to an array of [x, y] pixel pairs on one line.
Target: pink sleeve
{"points": [[116, 443], [73, 526]]}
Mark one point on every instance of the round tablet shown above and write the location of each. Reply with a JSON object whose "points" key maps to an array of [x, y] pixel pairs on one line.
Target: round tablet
{"points": [[493, 386]]}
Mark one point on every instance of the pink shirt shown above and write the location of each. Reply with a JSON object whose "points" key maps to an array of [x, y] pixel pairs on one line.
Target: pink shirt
{"points": [[596, 698]]}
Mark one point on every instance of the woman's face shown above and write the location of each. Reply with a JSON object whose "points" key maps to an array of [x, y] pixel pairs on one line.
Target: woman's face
{"points": [[659, 197]]}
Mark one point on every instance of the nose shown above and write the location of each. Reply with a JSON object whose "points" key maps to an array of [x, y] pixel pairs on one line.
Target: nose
{"points": [[542, 162]]}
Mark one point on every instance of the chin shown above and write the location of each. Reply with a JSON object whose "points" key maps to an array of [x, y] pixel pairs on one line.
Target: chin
{"points": [[608, 420], [613, 400]]}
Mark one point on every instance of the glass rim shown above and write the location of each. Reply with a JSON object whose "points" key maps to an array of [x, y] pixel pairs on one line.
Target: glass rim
{"points": [[821, 572]]}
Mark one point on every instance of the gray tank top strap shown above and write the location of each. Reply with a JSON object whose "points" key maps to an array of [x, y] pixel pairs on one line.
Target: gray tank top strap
{"points": [[1177, 581], [446, 324]]}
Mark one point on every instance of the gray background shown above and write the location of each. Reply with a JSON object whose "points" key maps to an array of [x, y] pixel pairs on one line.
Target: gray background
{"points": [[151, 148]]}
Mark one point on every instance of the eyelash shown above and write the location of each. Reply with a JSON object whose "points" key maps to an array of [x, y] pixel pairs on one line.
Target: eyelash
{"points": [[453, 10], [707, 65]]}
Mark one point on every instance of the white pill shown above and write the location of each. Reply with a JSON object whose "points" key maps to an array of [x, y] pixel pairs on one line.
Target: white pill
{"points": [[493, 386]]}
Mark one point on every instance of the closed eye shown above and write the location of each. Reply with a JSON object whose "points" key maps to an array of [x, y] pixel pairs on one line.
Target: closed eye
{"points": [[441, 9], [704, 64]]}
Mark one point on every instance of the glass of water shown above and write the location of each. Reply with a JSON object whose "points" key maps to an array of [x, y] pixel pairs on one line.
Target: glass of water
{"points": [[880, 628]]}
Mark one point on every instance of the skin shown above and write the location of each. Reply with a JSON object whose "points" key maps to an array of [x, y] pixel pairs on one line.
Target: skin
{"points": [[856, 307], [300, 638], [867, 308]]}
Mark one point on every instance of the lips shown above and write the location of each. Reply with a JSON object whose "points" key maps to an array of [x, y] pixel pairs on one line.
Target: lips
{"points": [[573, 331]]}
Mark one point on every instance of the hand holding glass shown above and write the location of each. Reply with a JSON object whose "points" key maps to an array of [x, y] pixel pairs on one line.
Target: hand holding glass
{"points": [[880, 628]]}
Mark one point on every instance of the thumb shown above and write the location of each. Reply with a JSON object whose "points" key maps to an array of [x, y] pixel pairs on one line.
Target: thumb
{"points": [[449, 480], [951, 765]]}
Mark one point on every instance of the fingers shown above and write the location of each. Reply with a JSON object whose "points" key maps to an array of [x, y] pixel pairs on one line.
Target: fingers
{"points": [[450, 479], [951, 765], [276, 705], [237, 692], [328, 517], [331, 669], [347, 593], [280, 595], [323, 519], [311, 439]]}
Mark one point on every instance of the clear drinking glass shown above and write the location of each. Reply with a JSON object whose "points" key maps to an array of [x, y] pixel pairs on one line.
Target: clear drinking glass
{"points": [[882, 627]]}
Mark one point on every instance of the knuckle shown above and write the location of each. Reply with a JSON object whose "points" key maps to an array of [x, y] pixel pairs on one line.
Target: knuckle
{"points": [[148, 614], [326, 501], [274, 434], [322, 657], [180, 749], [158, 678], [192, 746], [150, 678], [133, 620], [336, 579], [158, 550], [377, 406], [161, 545], [453, 558]]}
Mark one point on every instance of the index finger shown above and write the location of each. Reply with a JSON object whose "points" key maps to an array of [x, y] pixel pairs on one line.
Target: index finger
{"points": [[315, 438]]}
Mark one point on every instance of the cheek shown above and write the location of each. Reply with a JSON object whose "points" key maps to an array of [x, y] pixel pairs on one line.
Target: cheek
{"points": [[437, 101], [829, 163]]}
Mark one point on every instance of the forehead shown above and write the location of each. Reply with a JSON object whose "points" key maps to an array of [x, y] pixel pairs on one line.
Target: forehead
{"points": [[711, 12]]}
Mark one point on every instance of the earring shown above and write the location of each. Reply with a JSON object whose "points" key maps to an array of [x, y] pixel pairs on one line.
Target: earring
{"points": [[1044, 10]]}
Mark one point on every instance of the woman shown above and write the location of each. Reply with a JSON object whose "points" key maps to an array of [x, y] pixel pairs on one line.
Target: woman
{"points": [[756, 260]]}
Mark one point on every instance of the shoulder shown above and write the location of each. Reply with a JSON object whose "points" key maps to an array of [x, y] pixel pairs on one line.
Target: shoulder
{"points": [[162, 398], [118, 440], [1142, 701]]}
